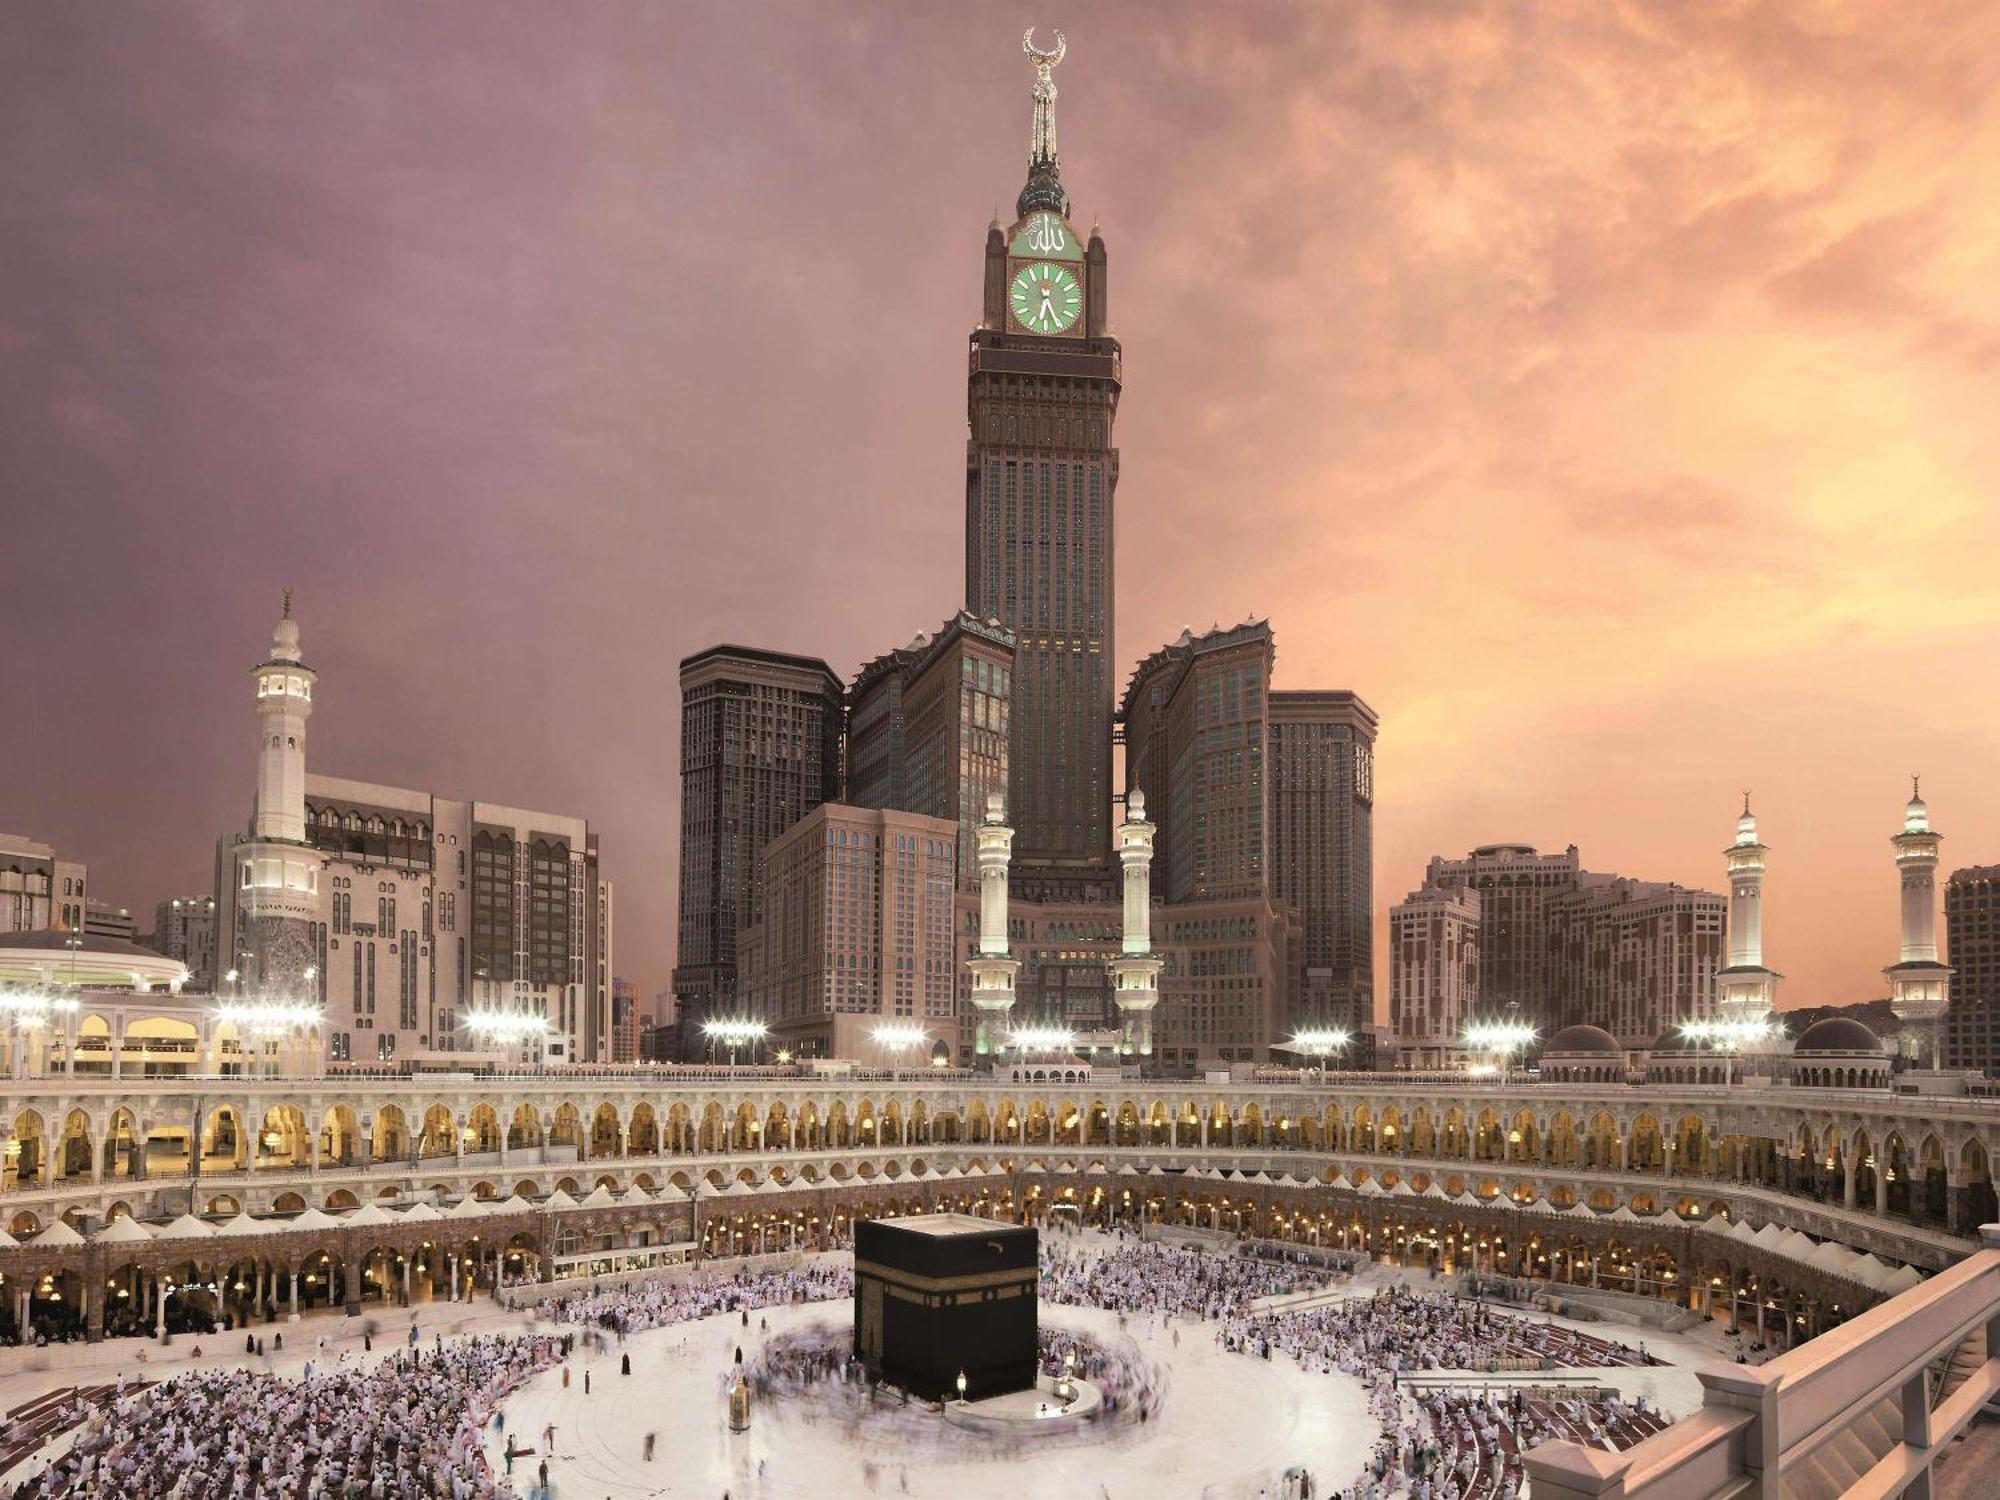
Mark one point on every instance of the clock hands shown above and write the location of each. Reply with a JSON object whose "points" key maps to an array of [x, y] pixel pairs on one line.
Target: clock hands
{"points": [[1051, 282]]}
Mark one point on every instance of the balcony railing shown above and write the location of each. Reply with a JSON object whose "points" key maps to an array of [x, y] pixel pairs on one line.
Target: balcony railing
{"points": [[1862, 1411]]}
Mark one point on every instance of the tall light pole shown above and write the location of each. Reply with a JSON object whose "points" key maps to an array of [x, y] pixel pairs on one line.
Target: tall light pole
{"points": [[1501, 1040], [1319, 1043], [898, 1040], [734, 1034]]}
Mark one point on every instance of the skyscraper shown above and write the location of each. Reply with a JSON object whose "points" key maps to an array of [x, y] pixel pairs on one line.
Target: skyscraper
{"points": [[1516, 886], [184, 928], [928, 726], [1433, 973], [1195, 719], [625, 1021], [1261, 793], [1041, 473], [1636, 957], [854, 931], [1320, 770], [1970, 1036], [760, 748]]}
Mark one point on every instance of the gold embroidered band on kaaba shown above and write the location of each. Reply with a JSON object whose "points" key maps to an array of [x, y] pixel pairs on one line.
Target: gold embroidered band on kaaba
{"points": [[972, 1283]]}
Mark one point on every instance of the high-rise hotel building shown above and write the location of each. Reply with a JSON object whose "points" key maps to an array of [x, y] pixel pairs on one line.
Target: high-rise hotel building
{"points": [[1556, 945], [1258, 793], [760, 748], [855, 932], [1041, 476], [1321, 773], [1262, 799], [928, 726], [1969, 1036]]}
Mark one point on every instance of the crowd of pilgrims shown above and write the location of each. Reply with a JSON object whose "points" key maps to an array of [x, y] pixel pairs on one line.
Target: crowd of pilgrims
{"points": [[1400, 1329], [404, 1428], [1183, 1282], [407, 1426], [1126, 1383], [637, 1306], [1437, 1444], [1443, 1444]]}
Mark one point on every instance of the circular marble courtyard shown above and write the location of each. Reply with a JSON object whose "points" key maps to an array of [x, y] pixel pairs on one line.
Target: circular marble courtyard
{"points": [[1225, 1424]]}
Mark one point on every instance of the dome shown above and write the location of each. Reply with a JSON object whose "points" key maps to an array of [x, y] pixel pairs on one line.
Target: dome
{"points": [[1674, 1041], [1574, 1041], [1916, 816], [1746, 826], [1838, 1034]]}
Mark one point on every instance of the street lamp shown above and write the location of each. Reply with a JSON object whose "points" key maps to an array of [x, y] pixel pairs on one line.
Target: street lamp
{"points": [[1043, 1038], [262, 1023], [1501, 1039], [1319, 1043], [504, 1030], [898, 1040], [734, 1034], [1728, 1038]]}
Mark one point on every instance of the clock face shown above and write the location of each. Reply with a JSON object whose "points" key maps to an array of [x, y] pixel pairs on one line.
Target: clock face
{"points": [[1045, 297]]}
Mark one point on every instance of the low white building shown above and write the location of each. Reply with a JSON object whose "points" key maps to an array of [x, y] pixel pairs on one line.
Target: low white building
{"points": [[38, 891]]}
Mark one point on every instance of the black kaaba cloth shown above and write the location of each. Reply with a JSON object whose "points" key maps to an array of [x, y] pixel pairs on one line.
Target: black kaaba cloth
{"points": [[936, 1294]]}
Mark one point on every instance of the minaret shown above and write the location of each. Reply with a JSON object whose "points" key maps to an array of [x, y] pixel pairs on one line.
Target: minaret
{"points": [[993, 971], [1136, 971], [1919, 986], [277, 872], [284, 703], [1746, 990]]}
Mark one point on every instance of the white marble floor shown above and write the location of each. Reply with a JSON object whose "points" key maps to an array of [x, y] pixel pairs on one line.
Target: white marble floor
{"points": [[1230, 1424]]}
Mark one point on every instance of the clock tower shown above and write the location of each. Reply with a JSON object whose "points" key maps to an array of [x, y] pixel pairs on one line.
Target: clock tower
{"points": [[1040, 475]]}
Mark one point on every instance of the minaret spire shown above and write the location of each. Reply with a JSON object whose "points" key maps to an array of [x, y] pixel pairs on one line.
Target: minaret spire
{"points": [[1745, 989], [1044, 189], [1919, 985], [1136, 971], [274, 871], [993, 970]]}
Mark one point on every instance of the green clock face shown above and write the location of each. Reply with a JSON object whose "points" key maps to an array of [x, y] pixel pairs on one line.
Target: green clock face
{"points": [[1045, 297]]}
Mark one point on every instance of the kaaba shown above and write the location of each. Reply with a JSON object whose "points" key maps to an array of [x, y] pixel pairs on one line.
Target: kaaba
{"points": [[940, 1294]]}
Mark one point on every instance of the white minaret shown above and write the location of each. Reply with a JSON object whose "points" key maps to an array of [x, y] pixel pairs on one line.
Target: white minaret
{"points": [[993, 971], [1746, 990], [284, 703], [1136, 972], [1919, 986], [277, 872]]}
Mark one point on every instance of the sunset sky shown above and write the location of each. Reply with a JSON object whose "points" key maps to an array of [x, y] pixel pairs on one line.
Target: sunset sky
{"points": [[1609, 393]]}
